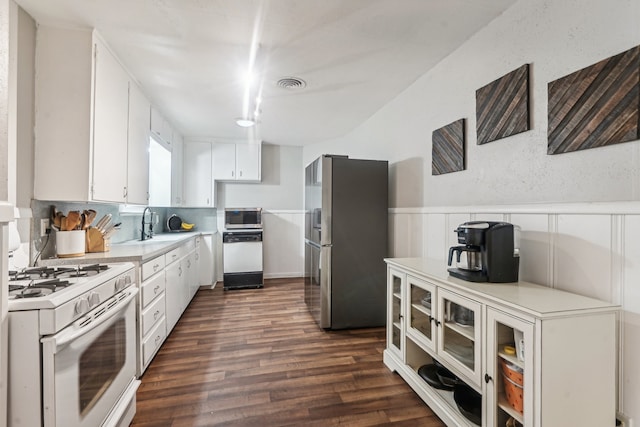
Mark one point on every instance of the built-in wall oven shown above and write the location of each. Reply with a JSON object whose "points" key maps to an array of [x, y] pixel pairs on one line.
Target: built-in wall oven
{"points": [[72, 353]]}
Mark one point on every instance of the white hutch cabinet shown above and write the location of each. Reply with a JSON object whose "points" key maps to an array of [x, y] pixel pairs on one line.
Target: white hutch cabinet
{"points": [[566, 346]]}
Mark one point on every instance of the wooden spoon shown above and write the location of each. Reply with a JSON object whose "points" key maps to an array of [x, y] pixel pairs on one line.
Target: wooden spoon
{"points": [[73, 220], [90, 215]]}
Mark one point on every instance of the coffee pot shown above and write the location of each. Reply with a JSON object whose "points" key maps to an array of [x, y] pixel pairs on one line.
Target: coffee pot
{"points": [[488, 252]]}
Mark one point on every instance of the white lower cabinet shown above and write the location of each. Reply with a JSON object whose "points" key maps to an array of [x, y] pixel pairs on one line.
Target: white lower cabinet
{"points": [[175, 293], [151, 320], [539, 356], [168, 284]]}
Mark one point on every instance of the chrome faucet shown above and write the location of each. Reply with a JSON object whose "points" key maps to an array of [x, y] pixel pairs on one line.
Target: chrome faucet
{"points": [[143, 235]]}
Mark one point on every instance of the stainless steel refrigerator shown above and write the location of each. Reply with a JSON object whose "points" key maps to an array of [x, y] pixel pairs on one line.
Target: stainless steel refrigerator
{"points": [[346, 210]]}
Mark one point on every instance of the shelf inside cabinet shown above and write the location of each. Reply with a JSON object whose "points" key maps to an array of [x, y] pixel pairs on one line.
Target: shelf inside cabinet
{"points": [[512, 359], [422, 309], [465, 331], [397, 295], [504, 405]]}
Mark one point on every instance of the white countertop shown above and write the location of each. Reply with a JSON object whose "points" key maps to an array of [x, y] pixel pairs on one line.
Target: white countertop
{"points": [[538, 300], [132, 250]]}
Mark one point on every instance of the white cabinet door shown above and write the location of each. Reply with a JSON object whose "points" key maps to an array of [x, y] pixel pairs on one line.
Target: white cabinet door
{"points": [[459, 334], [192, 276], [224, 161], [110, 123], [507, 388], [248, 160], [395, 312], [198, 183], [138, 147], [176, 169], [175, 298], [421, 310], [206, 261]]}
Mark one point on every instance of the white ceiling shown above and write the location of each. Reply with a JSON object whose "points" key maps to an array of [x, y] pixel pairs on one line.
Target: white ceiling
{"points": [[355, 55]]}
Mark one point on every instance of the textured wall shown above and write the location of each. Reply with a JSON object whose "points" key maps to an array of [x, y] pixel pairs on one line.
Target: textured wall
{"points": [[556, 38]]}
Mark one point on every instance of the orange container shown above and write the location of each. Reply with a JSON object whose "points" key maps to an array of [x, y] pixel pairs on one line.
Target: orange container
{"points": [[513, 384]]}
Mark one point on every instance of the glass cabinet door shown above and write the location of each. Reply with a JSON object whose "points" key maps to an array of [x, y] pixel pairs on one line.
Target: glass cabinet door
{"points": [[459, 328], [509, 370], [395, 336], [421, 311]]}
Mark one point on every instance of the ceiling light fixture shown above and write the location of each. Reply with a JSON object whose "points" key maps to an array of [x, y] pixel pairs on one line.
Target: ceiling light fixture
{"points": [[245, 122]]}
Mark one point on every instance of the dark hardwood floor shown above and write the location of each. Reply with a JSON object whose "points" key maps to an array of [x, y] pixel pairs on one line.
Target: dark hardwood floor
{"points": [[257, 358]]}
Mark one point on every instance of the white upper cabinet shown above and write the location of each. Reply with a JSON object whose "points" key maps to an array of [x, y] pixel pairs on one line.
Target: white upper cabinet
{"points": [[161, 129], [110, 126], [177, 157], [82, 119], [138, 148], [237, 162], [224, 161], [198, 185], [248, 161]]}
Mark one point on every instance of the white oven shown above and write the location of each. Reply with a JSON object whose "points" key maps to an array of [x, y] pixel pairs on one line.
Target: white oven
{"points": [[88, 365], [72, 352]]}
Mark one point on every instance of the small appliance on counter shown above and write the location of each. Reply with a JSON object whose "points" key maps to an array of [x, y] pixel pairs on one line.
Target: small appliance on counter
{"points": [[489, 251]]}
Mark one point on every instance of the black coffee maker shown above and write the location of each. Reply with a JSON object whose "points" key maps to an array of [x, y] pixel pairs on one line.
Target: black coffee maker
{"points": [[491, 252]]}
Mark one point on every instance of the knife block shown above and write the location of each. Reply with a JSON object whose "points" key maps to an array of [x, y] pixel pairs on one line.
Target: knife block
{"points": [[96, 242]]}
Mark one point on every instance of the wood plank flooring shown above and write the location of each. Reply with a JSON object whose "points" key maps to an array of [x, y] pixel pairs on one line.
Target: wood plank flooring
{"points": [[257, 358]]}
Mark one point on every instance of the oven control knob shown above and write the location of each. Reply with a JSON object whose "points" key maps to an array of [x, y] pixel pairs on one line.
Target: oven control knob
{"points": [[94, 299], [82, 306], [120, 284]]}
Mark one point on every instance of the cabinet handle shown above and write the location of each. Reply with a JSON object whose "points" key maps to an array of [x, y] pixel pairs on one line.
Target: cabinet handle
{"points": [[487, 378], [241, 173], [158, 339], [155, 315], [156, 289], [124, 193], [179, 271], [155, 267], [232, 174], [438, 323]]}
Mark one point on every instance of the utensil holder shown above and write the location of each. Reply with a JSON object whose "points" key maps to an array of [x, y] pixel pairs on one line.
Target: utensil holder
{"points": [[70, 243], [96, 242]]}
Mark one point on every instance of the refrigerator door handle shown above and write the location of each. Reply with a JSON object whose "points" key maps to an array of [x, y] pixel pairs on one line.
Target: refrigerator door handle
{"points": [[329, 245]]}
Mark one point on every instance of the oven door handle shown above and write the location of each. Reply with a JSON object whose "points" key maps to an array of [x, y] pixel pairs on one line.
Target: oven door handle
{"points": [[80, 327]]}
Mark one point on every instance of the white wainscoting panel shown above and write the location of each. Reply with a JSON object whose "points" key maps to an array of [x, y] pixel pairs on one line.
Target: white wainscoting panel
{"points": [[283, 243], [535, 248], [582, 255], [436, 236]]}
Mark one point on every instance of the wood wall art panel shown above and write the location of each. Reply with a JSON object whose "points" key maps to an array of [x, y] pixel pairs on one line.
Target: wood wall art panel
{"points": [[596, 106], [447, 150], [502, 106]]}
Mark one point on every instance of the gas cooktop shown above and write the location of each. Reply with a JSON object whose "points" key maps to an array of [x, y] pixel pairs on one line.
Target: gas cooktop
{"points": [[48, 287]]}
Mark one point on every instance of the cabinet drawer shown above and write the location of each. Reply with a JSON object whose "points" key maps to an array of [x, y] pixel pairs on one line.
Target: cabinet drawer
{"points": [[152, 343], [173, 255], [150, 268], [152, 288], [152, 314]]}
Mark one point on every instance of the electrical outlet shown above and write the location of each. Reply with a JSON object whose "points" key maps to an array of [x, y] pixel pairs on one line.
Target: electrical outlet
{"points": [[623, 420], [44, 226]]}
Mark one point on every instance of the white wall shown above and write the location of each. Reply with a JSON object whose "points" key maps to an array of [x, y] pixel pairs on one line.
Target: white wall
{"points": [[280, 194], [556, 38], [281, 185], [584, 247]]}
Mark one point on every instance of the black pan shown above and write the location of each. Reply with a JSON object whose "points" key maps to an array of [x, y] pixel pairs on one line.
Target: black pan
{"points": [[469, 402], [428, 373], [174, 223]]}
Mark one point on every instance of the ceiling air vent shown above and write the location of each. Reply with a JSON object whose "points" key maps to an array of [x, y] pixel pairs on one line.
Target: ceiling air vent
{"points": [[292, 83]]}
